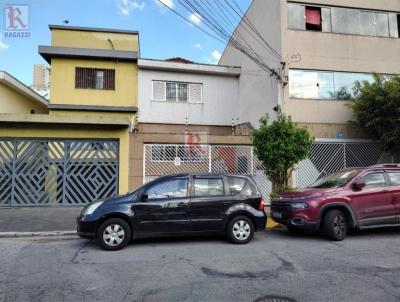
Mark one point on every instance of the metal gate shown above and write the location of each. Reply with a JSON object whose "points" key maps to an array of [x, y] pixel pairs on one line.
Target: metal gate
{"points": [[57, 172], [162, 159], [328, 156]]}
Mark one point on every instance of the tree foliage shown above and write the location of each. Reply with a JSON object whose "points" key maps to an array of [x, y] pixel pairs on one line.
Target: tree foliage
{"points": [[377, 109], [280, 145]]}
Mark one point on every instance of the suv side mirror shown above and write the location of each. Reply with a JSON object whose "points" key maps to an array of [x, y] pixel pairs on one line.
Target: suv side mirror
{"points": [[144, 197], [358, 185]]}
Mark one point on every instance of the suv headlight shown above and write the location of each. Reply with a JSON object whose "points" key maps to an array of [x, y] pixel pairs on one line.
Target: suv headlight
{"points": [[299, 205], [93, 207]]}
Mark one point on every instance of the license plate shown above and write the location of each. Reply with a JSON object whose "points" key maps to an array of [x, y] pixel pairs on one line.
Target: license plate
{"points": [[276, 215]]}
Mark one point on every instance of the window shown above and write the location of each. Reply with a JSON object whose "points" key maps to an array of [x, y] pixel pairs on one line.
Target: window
{"points": [[394, 25], [185, 153], [296, 16], [93, 78], [374, 180], [394, 177], [208, 187], [173, 188], [236, 184], [324, 85], [177, 92], [343, 20], [313, 18], [241, 185]]}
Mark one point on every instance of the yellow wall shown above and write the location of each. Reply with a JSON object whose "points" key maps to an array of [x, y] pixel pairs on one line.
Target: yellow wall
{"points": [[63, 89], [12, 101], [69, 132], [90, 39]]}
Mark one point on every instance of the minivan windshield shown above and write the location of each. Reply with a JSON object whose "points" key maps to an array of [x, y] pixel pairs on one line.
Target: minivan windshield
{"points": [[335, 180]]}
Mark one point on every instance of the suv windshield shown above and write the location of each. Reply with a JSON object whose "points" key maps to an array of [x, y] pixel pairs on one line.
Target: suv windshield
{"points": [[335, 180]]}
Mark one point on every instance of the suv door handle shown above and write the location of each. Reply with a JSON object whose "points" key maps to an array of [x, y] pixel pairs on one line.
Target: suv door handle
{"points": [[182, 204]]}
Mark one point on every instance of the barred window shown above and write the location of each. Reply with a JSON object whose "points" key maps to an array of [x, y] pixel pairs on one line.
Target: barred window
{"points": [[94, 78]]}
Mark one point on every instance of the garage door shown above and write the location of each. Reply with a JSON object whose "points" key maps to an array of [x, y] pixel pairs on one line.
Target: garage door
{"points": [[57, 172]]}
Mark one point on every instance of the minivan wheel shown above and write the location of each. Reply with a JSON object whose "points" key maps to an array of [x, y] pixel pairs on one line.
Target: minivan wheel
{"points": [[240, 230], [114, 234], [335, 225]]}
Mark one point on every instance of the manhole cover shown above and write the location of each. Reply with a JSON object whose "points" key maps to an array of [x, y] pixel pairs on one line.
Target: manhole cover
{"points": [[274, 299]]}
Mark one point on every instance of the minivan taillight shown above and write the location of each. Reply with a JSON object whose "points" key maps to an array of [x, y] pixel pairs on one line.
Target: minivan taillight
{"points": [[262, 204]]}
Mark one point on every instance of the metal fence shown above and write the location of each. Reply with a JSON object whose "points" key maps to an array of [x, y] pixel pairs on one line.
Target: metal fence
{"points": [[57, 172], [327, 157], [162, 159]]}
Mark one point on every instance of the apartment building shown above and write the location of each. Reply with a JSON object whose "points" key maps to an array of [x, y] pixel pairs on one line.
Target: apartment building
{"points": [[324, 47], [41, 80], [327, 45]]}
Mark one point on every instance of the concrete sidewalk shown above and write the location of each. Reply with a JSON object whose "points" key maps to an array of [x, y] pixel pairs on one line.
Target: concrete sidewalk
{"points": [[43, 219]]}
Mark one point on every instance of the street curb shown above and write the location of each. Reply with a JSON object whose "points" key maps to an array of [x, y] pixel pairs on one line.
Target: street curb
{"points": [[36, 234]]}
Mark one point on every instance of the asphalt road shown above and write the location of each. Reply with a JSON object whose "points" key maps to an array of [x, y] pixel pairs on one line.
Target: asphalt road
{"points": [[365, 267]]}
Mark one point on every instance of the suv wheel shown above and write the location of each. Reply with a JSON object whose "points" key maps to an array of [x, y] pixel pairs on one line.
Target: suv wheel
{"points": [[114, 234], [240, 230], [335, 225]]}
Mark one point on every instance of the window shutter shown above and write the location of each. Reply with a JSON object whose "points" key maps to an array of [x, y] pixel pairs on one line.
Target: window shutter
{"points": [[159, 91], [196, 93]]}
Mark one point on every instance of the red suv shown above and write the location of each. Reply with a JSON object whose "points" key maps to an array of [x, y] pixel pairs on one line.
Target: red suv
{"points": [[352, 198]]}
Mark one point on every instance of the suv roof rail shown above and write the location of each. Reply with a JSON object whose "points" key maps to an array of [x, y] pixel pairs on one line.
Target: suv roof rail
{"points": [[386, 166]]}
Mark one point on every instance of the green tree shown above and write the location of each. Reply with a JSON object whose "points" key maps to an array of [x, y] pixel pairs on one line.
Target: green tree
{"points": [[279, 146], [376, 107]]}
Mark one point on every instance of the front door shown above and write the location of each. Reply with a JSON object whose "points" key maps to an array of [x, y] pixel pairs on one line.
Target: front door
{"points": [[373, 203], [165, 208], [208, 203]]}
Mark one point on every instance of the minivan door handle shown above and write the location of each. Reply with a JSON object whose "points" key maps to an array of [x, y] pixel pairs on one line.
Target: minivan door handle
{"points": [[183, 204]]}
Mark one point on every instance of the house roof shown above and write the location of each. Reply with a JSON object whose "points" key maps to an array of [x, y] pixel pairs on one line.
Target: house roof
{"points": [[94, 29], [160, 65], [49, 52], [10, 81]]}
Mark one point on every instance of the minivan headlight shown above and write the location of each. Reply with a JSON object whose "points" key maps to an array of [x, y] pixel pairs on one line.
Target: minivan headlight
{"points": [[299, 205], [90, 209]]}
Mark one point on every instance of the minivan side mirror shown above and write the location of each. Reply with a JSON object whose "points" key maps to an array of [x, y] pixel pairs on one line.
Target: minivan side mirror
{"points": [[144, 197], [358, 185]]}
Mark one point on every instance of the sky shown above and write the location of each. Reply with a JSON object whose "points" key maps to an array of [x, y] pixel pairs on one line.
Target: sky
{"points": [[162, 33]]}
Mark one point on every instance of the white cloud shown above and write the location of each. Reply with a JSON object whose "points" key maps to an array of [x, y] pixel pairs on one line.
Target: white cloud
{"points": [[195, 18], [197, 45], [2, 44], [169, 3], [216, 55], [126, 6]]}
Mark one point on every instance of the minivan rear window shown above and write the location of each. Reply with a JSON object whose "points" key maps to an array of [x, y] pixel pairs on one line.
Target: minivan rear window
{"points": [[236, 184], [242, 186]]}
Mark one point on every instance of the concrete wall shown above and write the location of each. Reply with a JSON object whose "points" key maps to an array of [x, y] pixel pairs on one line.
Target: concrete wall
{"points": [[63, 89], [12, 101], [94, 39], [259, 92], [220, 99]]}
